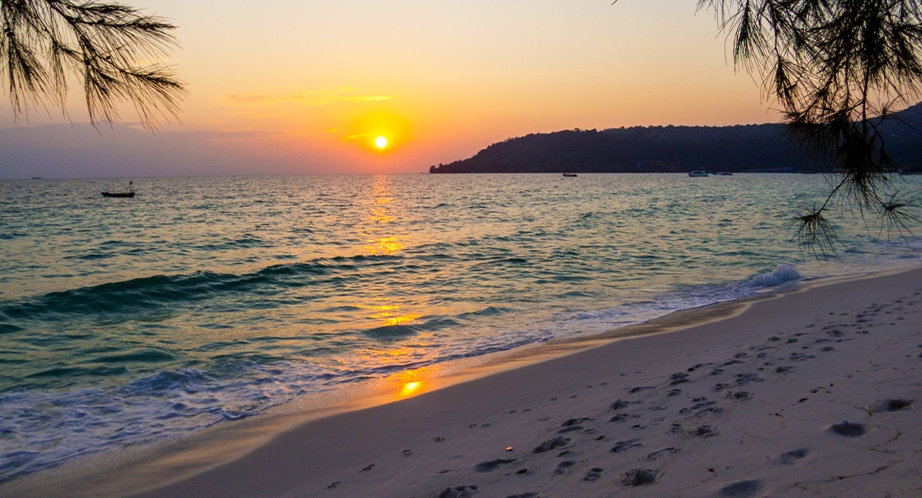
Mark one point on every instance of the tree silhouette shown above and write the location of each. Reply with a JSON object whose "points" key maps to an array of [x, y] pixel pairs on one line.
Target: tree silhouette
{"points": [[838, 68], [107, 46]]}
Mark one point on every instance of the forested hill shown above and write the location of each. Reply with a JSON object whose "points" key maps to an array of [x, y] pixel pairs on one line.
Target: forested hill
{"points": [[673, 149]]}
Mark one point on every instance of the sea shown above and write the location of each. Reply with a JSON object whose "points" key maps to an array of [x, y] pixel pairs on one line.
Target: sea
{"points": [[200, 301]]}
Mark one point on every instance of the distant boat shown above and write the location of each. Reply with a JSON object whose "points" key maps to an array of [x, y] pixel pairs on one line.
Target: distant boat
{"points": [[697, 173], [570, 174], [128, 193], [36, 178]]}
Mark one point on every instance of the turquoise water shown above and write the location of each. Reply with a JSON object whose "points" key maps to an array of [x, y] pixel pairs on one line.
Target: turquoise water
{"points": [[131, 321]]}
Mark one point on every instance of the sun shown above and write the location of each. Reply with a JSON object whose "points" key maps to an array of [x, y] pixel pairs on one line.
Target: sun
{"points": [[381, 142]]}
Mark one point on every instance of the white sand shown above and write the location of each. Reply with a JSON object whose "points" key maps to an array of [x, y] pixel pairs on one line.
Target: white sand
{"points": [[739, 407]]}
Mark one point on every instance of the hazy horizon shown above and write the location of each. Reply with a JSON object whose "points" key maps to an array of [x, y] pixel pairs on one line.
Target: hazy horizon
{"points": [[306, 88]]}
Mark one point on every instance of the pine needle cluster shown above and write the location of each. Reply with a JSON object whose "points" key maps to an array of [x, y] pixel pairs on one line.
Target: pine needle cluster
{"points": [[838, 69], [114, 50]]}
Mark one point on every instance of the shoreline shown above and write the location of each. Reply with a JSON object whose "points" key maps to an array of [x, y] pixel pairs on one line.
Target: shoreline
{"points": [[482, 393]]}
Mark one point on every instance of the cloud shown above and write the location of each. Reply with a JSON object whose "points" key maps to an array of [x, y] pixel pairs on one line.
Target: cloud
{"points": [[311, 98]]}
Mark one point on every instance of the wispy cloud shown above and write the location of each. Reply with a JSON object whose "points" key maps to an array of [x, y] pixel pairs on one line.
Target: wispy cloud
{"points": [[311, 98]]}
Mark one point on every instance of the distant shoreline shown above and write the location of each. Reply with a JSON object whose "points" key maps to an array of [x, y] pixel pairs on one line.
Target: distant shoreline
{"points": [[676, 149]]}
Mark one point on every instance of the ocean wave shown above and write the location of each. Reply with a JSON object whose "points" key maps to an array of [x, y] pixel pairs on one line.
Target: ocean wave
{"points": [[780, 275], [143, 356], [388, 332], [146, 294], [44, 429], [487, 311], [682, 298], [228, 244]]}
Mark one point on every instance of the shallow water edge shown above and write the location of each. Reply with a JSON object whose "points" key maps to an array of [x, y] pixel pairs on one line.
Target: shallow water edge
{"points": [[133, 470]]}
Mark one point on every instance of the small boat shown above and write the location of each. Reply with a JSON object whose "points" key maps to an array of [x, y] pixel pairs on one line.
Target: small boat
{"points": [[128, 193], [573, 175], [697, 173]]}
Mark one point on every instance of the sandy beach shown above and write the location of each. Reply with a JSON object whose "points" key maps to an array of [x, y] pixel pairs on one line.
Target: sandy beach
{"points": [[813, 393]]}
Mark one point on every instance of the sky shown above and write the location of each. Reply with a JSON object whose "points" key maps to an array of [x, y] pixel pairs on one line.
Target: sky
{"points": [[305, 87]]}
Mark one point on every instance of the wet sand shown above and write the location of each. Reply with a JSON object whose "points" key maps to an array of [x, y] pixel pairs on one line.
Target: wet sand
{"points": [[813, 393]]}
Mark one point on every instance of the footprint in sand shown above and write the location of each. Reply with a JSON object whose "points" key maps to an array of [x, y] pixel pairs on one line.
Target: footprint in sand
{"points": [[656, 455], [639, 477], [594, 474], [562, 467], [743, 379], [368, 467], [459, 492], [890, 405], [704, 431], [621, 417], [551, 444], [793, 456], [492, 464], [849, 429], [702, 408], [622, 446], [524, 495], [572, 424], [742, 489], [619, 404], [740, 395], [678, 378]]}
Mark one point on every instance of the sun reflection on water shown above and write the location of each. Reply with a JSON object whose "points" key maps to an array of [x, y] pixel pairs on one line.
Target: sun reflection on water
{"points": [[412, 382], [379, 225], [379, 230], [389, 314], [411, 388], [384, 246]]}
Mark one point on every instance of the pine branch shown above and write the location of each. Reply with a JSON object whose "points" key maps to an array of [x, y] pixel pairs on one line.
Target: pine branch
{"points": [[107, 46]]}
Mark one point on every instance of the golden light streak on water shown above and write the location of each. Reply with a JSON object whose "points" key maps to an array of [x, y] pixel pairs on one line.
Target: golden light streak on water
{"points": [[411, 388]]}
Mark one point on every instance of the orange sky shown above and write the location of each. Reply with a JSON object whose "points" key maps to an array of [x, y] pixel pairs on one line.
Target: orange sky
{"points": [[305, 87]]}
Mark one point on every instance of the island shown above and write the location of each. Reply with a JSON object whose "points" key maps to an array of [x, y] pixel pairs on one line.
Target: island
{"points": [[678, 149]]}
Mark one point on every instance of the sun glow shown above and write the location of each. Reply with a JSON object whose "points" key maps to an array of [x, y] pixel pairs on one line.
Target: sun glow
{"points": [[381, 142]]}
